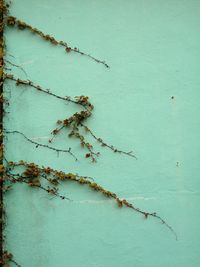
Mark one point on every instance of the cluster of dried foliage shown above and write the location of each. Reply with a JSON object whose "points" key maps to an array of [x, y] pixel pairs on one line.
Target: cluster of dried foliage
{"points": [[46, 178]]}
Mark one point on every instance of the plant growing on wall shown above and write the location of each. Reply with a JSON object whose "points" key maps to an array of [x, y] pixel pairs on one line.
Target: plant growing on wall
{"points": [[43, 178]]}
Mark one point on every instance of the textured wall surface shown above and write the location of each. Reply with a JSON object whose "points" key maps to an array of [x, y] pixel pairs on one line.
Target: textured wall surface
{"points": [[147, 101]]}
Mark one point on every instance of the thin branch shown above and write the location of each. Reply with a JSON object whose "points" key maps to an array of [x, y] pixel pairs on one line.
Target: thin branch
{"points": [[75, 121], [7, 257], [23, 179], [99, 140], [15, 65], [39, 88], [13, 21], [33, 171], [42, 145], [17, 264]]}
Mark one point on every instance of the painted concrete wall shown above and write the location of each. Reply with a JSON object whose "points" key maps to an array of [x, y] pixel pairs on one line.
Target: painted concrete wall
{"points": [[147, 101]]}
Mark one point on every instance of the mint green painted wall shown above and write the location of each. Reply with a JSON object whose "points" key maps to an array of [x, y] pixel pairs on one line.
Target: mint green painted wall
{"points": [[153, 50]]}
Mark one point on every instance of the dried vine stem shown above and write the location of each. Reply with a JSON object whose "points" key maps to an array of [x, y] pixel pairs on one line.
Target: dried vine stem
{"points": [[37, 87], [13, 21], [69, 150], [3, 11], [74, 122], [33, 175], [99, 140], [15, 65], [14, 178], [7, 257]]}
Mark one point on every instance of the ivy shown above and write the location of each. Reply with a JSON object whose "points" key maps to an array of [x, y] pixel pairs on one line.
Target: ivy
{"points": [[43, 178]]}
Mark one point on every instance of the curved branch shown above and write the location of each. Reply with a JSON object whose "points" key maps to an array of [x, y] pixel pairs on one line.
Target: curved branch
{"points": [[33, 171]]}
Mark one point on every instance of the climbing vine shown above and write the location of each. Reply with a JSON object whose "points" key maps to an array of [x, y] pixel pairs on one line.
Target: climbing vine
{"points": [[43, 178]]}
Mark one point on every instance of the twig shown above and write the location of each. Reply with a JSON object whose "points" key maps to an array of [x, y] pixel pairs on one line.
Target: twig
{"points": [[17, 264], [13, 21], [99, 140], [75, 121], [35, 171], [42, 145], [23, 179], [39, 88], [15, 65]]}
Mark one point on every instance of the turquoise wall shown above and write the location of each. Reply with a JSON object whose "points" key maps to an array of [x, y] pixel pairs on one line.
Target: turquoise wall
{"points": [[147, 101]]}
